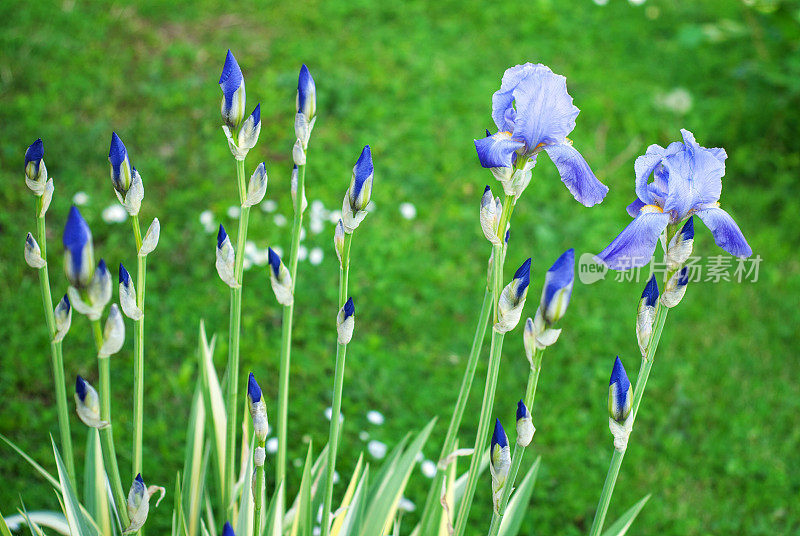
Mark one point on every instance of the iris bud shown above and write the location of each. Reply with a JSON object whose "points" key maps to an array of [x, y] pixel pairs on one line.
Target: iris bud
{"points": [[33, 254], [98, 293], [280, 279], [680, 247], [295, 185], [47, 197], [338, 241], [225, 259], [139, 503], [113, 334], [620, 396], [525, 428], [257, 187], [87, 404], [490, 216], [512, 299], [127, 295], [298, 154], [558, 287], [306, 107], [358, 194], [35, 170], [227, 530], [345, 322], [675, 288], [233, 95], [63, 318], [646, 314], [499, 463], [258, 409], [150, 240], [126, 180], [78, 250]]}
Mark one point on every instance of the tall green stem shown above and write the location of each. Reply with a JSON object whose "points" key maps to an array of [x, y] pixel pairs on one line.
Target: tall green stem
{"points": [[233, 348], [286, 334], [491, 375], [638, 392], [519, 451], [458, 412], [258, 496], [338, 385], [56, 355], [138, 352], [106, 434]]}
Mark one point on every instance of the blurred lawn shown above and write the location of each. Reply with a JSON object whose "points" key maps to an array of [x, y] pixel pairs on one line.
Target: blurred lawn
{"points": [[717, 441]]}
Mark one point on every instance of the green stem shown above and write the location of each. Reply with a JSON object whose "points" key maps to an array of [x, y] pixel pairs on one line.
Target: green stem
{"points": [[257, 497], [458, 412], [56, 355], [338, 385], [138, 352], [233, 348], [286, 334], [482, 436], [638, 393], [106, 434], [519, 451]]}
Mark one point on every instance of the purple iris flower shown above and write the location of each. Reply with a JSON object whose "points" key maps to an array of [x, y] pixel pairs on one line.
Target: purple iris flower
{"points": [[534, 112], [687, 180]]}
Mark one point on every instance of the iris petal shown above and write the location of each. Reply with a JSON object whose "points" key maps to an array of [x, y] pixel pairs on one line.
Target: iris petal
{"points": [[634, 208], [497, 150], [576, 174], [726, 233], [635, 245], [694, 179]]}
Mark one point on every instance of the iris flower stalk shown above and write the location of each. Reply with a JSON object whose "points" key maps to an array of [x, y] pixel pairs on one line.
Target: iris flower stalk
{"points": [[355, 201], [306, 106], [35, 168], [686, 181]]}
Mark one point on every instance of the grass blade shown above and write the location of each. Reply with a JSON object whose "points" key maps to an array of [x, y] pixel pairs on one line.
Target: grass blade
{"points": [[79, 523], [518, 504], [621, 525]]}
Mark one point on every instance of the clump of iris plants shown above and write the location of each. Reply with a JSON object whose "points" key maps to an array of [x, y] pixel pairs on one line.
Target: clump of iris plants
{"points": [[222, 487]]}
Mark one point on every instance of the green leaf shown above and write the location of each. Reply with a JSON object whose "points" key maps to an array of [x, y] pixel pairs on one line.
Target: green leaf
{"points": [[195, 465], [79, 523], [383, 503], [355, 510], [44, 518], [213, 399], [244, 524], [621, 525], [41, 470], [518, 504], [272, 524], [302, 525], [3, 527], [95, 488]]}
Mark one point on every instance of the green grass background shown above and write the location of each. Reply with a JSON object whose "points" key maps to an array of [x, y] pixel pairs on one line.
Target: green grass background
{"points": [[718, 436]]}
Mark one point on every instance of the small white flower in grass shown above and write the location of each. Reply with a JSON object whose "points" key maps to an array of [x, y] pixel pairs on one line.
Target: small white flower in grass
{"points": [[406, 505], [297, 462], [419, 457], [377, 449], [408, 211], [272, 445], [279, 220], [315, 256], [317, 207], [80, 199], [302, 233], [375, 417], [269, 205], [233, 212], [363, 435], [250, 248], [335, 216], [636, 2], [114, 214], [336, 477], [302, 253], [316, 225], [601, 2], [207, 218], [428, 468]]}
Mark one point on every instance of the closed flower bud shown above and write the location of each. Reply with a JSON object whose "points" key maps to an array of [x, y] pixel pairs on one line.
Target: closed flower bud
{"points": [[489, 216], [126, 180], [113, 333], [525, 428], [338, 241], [225, 259], [680, 247], [544, 335], [240, 143], [675, 288], [306, 107], [295, 185], [512, 299], [259, 457], [78, 250], [233, 95], [298, 154], [98, 293], [127, 295], [35, 170], [280, 279], [519, 180], [529, 340], [258, 409], [620, 396], [499, 462], [227, 530], [47, 197], [558, 287], [646, 314], [139, 503], [87, 404], [345, 322], [358, 194], [257, 188], [63, 318], [33, 254], [150, 240]]}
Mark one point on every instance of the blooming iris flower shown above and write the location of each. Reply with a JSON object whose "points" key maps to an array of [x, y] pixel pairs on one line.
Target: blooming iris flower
{"points": [[78, 250], [533, 112], [687, 180]]}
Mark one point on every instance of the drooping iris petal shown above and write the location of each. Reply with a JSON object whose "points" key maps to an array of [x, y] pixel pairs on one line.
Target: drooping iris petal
{"points": [[726, 233], [576, 174], [634, 208], [635, 245], [497, 150]]}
